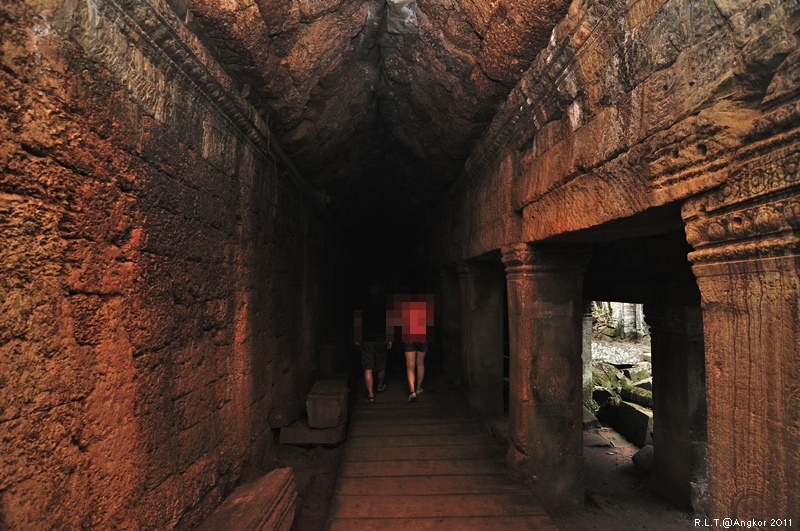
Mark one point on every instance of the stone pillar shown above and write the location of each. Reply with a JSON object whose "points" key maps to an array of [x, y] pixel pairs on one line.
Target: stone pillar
{"points": [[746, 236], [482, 336], [586, 351], [679, 407], [450, 326], [545, 309]]}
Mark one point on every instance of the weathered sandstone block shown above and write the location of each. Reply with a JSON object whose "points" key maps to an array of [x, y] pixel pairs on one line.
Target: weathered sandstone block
{"points": [[266, 504], [635, 423], [327, 404], [300, 433]]}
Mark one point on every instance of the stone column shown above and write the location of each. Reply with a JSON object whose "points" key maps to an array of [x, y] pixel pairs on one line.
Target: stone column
{"points": [[450, 327], [586, 351], [545, 309], [482, 336], [679, 407], [746, 236]]}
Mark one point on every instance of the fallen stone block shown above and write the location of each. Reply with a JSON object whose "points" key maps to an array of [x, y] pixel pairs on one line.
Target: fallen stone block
{"points": [[286, 413], [643, 397], [635, 423], [590, 422], [299, 433], [326, 404], [266, 504], [639, 372], [645, 384]]}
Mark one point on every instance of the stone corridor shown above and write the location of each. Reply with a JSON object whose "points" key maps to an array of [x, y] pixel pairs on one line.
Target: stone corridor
{"points": [[194, 194]]}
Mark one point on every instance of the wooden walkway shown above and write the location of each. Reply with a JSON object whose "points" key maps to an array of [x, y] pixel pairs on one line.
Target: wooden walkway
{"points": [[426, 465]]}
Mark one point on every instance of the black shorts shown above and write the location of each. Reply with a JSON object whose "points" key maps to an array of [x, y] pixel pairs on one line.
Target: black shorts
{"points": [[415, 346], [373, 355]]}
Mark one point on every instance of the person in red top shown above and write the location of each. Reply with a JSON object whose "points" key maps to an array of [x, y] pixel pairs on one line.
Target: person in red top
{"points": [[416, 317]]}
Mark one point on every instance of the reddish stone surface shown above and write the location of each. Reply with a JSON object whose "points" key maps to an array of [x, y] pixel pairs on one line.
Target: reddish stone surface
{"points": [[632, 111], [156, 300], [355, 89]]}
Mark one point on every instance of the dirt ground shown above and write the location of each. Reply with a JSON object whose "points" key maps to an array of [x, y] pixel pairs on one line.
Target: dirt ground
{"points": [[617, 494]]}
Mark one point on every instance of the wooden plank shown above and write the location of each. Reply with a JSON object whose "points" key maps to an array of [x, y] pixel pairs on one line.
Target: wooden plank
{"points": [[412, 453], [427, 465], [416, 440], [404, 413], [475, 523], [420, 468], [409, 421], [370, 429], [435, 506], [420, 485]]}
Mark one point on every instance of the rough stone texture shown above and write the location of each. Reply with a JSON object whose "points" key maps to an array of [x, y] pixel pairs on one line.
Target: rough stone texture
{"points": [[678, 396], [284, 414], [378, 100], [637, 109], [267, 504], [632, 105], [152, 227], [637, 396], [747, 261], [590, 422], [326, 404], [151, 295], [635, 423], [545, 314]]}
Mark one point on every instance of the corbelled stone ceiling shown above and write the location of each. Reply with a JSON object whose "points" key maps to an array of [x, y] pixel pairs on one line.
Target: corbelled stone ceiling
{"points": [[378, 102]]}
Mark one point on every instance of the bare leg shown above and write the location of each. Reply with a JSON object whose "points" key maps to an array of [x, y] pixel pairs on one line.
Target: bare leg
{"points": [[368, 382], [381, 376], [410, 369], [420, 368]]}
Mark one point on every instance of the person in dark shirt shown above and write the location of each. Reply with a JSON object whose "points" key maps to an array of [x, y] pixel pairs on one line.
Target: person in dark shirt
{"points": [[373, 332]]}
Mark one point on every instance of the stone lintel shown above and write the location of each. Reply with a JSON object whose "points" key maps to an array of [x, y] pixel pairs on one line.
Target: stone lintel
{"points": [[755, 214]]}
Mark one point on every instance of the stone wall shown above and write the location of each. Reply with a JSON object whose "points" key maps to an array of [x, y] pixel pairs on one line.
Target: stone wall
{"points": [[632, 105], [164, 279], [643, 106]]}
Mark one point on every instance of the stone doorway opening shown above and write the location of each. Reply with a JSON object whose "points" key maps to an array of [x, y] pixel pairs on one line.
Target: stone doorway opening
{"points": [[641, 263]]}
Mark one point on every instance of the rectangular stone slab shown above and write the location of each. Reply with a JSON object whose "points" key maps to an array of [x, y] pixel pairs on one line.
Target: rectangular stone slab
{"points": [[635, 423], [326, 404], [301, 433]]}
